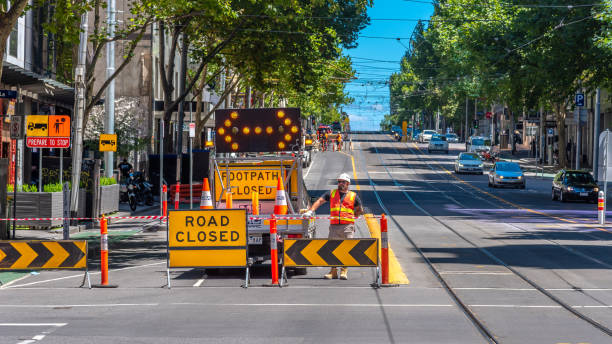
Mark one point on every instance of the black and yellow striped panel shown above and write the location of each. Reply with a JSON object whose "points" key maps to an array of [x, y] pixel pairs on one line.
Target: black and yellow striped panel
{"points": [[40, 255], [331, 252]]}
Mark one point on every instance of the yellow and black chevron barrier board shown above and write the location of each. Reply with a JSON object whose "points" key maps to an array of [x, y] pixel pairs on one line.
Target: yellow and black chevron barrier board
{"points": [[331, 252], [40, 255]]}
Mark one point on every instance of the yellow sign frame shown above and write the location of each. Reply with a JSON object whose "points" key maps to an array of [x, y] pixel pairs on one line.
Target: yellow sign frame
{"points": [[108, 147], [190, 245], [241, 190]]}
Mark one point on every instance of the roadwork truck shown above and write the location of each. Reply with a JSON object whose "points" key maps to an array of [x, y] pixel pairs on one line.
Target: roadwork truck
{"points": [[245, 176]]}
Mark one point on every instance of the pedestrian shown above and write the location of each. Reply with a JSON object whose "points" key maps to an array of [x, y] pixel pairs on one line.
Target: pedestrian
{"points": [[339, 139], [345, 207], [125, 167], [568, 151]]}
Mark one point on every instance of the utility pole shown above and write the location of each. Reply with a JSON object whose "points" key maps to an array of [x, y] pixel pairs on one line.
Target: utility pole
{"points": [[79, 109], [465, 132], [596, 133], [181, 110], [109, 101]]}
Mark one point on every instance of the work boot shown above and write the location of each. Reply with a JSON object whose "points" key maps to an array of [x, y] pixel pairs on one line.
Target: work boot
{"points": [[333, 274], [344, 274]]}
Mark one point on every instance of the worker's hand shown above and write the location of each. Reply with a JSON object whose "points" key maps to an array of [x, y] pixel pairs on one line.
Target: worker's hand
{"points": [[307, 214]]}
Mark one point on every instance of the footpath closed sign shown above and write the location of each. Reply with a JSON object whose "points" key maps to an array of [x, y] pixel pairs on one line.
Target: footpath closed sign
{"points": [[207, 238], [245, 181]]}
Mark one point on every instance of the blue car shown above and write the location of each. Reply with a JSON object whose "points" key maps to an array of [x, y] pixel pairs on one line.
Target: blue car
{"points": [[506, 174]]}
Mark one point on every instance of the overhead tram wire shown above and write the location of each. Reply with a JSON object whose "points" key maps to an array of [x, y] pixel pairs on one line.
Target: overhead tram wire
{"points": [[568, 6]]}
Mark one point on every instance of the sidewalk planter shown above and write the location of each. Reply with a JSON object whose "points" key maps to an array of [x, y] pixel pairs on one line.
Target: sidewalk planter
{"points": [[109, 199], [39, 204]]}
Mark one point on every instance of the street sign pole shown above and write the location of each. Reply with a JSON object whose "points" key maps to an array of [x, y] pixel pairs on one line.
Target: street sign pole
{"points": [[40, 186], [580, 103], [596, 129]]}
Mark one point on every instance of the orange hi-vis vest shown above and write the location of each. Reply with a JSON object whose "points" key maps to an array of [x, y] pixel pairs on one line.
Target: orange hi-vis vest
{"points": [[342, 213]]}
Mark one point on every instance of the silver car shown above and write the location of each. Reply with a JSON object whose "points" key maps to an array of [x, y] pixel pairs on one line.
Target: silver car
{"points": [[468, 163], [426, 135], [506, 174], [452, 138]]}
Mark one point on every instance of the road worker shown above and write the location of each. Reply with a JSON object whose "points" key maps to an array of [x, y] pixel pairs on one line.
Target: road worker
{"points": [[345, 207], [339, 139]]}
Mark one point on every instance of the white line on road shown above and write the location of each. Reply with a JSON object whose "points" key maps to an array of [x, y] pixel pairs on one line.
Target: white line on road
{"points": [[308, 304], [79, 275], [38, 337], [83, 305], [474, 273], [33, 324]]}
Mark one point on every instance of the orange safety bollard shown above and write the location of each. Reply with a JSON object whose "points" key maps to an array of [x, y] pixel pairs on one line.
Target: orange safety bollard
{"points": [[255, 201], [273, 250], [165, 201], [229, 204], [177, 196], [384, 250], [601, 208], [103, 255]]}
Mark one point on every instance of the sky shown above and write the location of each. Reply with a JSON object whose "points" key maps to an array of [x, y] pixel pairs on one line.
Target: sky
{"points": [[375, 59]]}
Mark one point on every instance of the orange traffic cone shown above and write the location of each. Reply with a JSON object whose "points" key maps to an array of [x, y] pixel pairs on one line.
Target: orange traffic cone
{"points": [[280, 205], [206, 198]]}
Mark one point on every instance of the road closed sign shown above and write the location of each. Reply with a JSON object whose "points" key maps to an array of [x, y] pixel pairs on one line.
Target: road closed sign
{"points": [[207, 238], [108, 143]]}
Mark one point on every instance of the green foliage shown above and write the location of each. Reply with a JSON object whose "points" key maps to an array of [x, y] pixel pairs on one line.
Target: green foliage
{"points": [[24, 188], [54, 187], [104, 181]]}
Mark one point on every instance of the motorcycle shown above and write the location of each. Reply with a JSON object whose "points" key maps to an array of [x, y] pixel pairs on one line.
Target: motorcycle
{"points": [[144, 189], [131, 191]]}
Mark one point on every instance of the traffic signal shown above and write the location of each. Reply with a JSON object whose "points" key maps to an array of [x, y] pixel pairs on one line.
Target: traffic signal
{"points": [[475, 124], [257, 130]]}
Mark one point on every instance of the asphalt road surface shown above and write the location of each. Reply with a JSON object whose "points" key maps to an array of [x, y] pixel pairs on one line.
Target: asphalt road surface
{"points": [[485, 266]]}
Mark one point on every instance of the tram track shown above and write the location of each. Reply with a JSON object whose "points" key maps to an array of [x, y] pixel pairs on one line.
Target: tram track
{"points": [[478, 323]]}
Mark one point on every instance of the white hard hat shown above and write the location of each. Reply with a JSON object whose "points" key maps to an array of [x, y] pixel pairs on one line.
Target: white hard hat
{"points": [[344, 177]]}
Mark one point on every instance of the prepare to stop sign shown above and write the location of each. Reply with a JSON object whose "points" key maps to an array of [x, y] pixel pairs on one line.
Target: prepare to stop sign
{"points": [[48, 131]]}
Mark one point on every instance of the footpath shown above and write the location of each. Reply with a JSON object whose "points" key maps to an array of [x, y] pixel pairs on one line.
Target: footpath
{"points": [[118, 231]]}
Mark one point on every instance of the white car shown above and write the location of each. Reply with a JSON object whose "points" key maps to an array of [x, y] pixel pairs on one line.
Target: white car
{"points": [[438, 143], [468, 163], [477, 144], [426, 135]]}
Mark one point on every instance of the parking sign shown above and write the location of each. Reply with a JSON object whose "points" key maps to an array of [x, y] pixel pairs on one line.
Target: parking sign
{"points": [[579, 99]]}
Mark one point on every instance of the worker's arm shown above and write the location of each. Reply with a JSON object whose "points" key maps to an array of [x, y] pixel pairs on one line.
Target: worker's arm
{"points": [[317, 204], [358, 211]]}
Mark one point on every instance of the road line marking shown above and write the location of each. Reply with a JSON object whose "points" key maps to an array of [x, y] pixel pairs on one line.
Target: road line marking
{"points": [[396, 274], [79, 275], [518, 306], [309, 304], [83, 305], [474, 273], [309, 167], [33, 324], [198, 283]]}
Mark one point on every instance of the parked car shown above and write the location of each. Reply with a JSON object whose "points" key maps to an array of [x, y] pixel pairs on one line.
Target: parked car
{"points": [[574, 185], [478, 144], [426, 135], [437, 143], [468, 163], [452, 138], [505, 173]]}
